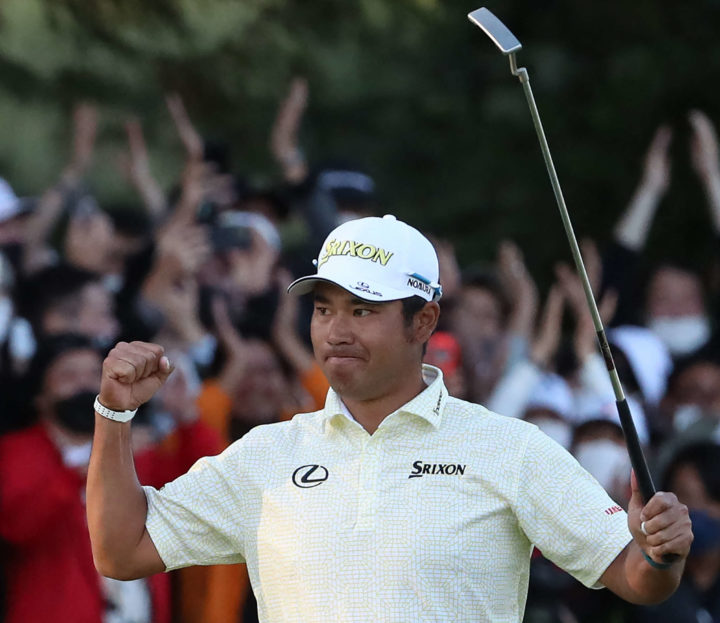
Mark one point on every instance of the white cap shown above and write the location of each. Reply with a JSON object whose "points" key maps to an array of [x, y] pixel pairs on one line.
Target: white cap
{"points": [[377, 259], [10, 205]]}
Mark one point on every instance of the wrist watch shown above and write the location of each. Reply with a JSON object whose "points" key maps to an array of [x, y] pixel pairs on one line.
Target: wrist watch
{"points": [[117, 416]]}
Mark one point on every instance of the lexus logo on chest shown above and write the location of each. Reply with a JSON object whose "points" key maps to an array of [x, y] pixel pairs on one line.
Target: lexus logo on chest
{"points": [[308, 476]]}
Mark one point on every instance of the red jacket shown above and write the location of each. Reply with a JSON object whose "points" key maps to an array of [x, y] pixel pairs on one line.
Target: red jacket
{"points": [[49, 569]]}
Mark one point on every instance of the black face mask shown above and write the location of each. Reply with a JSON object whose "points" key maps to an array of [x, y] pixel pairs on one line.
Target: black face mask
{"points": [[76, 412]]}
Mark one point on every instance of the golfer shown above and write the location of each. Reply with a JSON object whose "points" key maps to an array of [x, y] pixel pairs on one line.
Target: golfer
{"points": [[396, 502]]}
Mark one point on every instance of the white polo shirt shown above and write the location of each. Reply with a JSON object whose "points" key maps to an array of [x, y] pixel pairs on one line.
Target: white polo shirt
{"points": [[431, 518]]}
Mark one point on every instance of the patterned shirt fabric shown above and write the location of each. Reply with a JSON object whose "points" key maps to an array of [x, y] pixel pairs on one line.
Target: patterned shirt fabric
{"points": [[431, 518]]}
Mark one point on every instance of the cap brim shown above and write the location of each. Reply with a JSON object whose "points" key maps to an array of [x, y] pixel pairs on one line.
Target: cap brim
{"points": [[368, 292]]}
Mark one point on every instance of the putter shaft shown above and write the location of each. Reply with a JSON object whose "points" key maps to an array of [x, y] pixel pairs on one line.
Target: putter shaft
{"points": [[509, 45]]}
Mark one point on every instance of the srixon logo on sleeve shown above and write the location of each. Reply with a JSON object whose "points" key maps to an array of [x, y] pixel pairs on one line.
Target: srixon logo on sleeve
{"points": [[420, 469]]}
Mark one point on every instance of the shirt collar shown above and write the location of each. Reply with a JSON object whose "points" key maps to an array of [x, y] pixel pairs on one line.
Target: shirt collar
{"points": [[428, 404]]}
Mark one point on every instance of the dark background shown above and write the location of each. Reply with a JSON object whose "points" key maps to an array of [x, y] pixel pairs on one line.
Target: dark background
{"points": [[407, 88]]}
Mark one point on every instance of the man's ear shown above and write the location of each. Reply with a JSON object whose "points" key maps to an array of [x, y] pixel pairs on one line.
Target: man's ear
{"points": [[425, 321]]}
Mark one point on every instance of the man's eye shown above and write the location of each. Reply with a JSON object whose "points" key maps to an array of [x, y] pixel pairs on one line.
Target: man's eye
{"points": [[321, 311], [361, 312]]}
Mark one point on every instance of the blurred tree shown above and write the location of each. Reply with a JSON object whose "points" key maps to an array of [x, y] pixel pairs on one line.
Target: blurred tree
{"points": [[406, 87]]}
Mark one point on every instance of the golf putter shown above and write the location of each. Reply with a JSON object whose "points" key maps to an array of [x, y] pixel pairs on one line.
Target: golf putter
{"points": [[508, 44]]}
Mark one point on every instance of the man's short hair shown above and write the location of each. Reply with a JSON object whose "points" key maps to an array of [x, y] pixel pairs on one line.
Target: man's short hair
{"points": [[411, 306], [50, 288], [50, 349], [704, 456]]}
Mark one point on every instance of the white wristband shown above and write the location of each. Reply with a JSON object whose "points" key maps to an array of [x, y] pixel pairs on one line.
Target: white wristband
{"points": [[117, 416]]}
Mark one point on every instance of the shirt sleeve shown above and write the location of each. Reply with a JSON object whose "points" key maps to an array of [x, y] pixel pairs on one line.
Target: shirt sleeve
{"points": [[202, 517], [567, 514]]}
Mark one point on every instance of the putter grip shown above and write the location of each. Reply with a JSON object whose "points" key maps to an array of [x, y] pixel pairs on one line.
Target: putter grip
{"points": [[637, 459]]}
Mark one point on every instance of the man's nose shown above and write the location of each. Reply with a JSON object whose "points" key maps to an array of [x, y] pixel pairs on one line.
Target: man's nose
{"points": [[340, 330]]}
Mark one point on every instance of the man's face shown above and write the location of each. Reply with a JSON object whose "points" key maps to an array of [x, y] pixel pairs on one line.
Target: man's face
{"points": [[673, 292], [698, 385], [365, 349], [96, 317], [72, 372], [263, 389], [478, 314]]}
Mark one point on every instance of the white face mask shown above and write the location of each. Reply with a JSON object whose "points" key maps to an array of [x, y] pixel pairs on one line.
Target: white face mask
{"points": [[606, 460], [685, 416], [77, 455], [681, 334], [557, 430]]}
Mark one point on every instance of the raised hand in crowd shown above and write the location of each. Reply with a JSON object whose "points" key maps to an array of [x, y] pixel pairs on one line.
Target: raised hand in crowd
{"points": [[520, 289], [251, 269], [512, 392], [585, 336], [190, 137], [284, 144], [180, 252], [194, 185], [705, 161], [549, 331], [43, 220], [136, 167], [85, 122], [285, 334], [234, 347], [179, 303], [633, 227]]}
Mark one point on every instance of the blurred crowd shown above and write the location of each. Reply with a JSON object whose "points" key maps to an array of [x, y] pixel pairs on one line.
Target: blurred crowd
{"points": [[202, 268]]}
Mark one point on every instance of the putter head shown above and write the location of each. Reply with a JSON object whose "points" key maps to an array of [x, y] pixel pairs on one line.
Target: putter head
{"points": [[496, 30]]}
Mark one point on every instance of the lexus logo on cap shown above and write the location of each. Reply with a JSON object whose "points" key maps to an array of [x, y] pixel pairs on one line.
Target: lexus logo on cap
{"points": [[308, 476]]}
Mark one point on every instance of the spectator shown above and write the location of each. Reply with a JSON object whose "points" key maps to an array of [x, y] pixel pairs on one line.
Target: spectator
{"points": [[66, 299], [675, 305], [49, 568]]}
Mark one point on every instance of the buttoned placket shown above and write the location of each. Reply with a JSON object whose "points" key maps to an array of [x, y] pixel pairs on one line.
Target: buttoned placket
{"points": [[368, 478]]}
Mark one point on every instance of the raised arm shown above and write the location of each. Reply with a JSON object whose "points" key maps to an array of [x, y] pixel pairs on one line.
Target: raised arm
{"points": [[704, 152], [284, 136], [137, 170], [116, 503], [633, 227], [50, 207]]}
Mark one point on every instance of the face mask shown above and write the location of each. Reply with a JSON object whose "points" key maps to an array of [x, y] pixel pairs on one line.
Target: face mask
{"points": [[557, 430], [606, 460], [77, 456], [682, 334], [76, 412], [706, 530], [113, 283], [685, 416]]}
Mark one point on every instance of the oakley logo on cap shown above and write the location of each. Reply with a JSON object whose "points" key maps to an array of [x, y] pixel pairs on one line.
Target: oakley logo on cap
{"points": [[355, 249]]}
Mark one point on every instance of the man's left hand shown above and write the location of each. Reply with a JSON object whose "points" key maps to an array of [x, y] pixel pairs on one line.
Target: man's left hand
{"points": [[660, 527]]}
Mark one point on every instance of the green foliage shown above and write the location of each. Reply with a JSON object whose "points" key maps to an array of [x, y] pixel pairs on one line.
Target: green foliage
{"points": [[406, 87]]}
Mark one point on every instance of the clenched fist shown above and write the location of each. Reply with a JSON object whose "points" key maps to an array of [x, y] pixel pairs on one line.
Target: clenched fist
{"points": [[132, 373], [662, 526]]}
